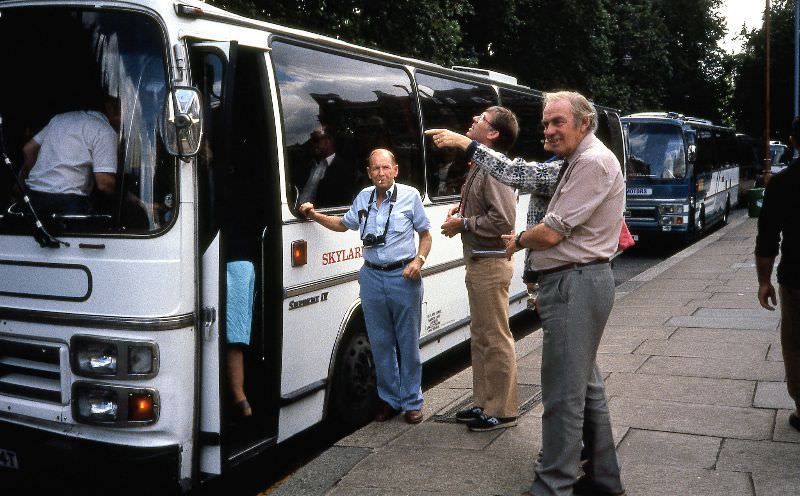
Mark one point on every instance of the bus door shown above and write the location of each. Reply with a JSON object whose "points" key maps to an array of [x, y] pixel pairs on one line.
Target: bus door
{"points": [[235, 219]]}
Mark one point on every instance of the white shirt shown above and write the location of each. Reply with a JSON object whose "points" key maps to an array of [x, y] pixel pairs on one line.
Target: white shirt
{"points": [[73, 146]]}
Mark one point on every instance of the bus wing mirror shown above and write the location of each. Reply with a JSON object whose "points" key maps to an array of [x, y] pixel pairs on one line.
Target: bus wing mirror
{"points": [[691, 153], [182, 126]]}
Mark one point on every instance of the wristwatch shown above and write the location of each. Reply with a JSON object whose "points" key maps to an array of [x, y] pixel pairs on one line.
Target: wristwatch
{"points": [[421, 257], [466, 226], [517, 241]]}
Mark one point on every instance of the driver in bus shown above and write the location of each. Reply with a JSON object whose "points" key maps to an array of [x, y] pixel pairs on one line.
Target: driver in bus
{"points": [[75, 152], [386, 216]]}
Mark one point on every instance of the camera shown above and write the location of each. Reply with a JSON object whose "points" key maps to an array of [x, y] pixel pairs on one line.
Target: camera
{"points": [[372, 240]]}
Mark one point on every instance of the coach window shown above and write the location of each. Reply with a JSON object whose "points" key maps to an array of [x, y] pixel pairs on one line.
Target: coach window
{"points": [[336, 109], [451, 104], [530, 141], [706, 152]]}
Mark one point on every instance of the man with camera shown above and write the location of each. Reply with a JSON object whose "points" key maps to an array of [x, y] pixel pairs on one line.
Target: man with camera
{"points": [[386, 216]]}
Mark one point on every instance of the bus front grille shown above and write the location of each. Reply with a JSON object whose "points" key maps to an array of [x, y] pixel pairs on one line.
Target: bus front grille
{"points": [[30, 370]]}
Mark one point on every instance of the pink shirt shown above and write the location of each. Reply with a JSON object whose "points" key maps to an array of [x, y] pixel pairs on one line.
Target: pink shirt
{"points": [[586, 208]]}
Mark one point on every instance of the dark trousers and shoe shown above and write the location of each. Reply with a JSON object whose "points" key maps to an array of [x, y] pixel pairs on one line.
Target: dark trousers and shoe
{"points": [[790, 344]]}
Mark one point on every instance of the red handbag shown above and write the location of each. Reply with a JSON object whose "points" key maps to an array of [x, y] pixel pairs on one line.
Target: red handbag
{"points": [[625, 238]]}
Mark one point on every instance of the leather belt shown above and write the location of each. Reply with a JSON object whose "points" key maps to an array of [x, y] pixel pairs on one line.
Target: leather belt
{"points": [[573, 266], [390, 266]]}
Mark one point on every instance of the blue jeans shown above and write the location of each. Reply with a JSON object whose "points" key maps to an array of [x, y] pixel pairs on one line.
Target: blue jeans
{"points": [[392, 308]]}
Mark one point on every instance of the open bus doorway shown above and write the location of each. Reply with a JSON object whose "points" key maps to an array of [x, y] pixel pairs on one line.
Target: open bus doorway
{"points": [[237, 213]]}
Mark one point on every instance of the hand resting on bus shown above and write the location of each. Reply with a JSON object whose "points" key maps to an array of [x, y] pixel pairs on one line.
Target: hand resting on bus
{"points": [[328, 221]]}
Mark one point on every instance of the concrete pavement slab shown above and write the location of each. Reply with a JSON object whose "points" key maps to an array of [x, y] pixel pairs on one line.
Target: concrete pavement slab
{"points": [[462, 380], [783, 431], [759, 456], [767, 484], [682, 285], [367, 491], [703, 349], [689, 418], [620, 363], [323, 472], [669, 449], [660, 480], [446, 470], [723, 322], [529, 375], [698, 390], [446, 435], [722, 368], [775, 353], [376, 434], [619, 345], [772, 395], [627, 330], [733, 335], [732, 300]]}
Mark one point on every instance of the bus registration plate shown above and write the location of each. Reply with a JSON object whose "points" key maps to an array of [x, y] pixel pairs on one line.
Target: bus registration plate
{"points": [[640, 191], [8, 459]]}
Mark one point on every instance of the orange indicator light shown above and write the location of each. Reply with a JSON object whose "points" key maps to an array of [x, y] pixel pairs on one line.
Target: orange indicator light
{"points": [[140, 406], [299, 253]]}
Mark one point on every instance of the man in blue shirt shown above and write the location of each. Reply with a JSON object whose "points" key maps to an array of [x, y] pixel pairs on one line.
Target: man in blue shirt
{"points": [[386, 216]]}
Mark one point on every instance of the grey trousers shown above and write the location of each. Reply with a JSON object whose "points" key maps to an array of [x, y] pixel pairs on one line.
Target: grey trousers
{"points": [[574, 306]]}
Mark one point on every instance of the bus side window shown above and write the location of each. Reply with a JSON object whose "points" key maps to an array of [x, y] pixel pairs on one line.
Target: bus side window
{"points": [[450, 104], [706, 152], [530, 141], [336, 110]]}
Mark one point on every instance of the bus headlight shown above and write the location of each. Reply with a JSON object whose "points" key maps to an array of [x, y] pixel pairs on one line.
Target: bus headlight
{"points": [[118, 406], [671, 209], [113, 358]]}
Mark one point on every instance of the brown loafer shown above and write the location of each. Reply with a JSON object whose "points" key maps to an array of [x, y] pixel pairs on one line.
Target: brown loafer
{"points": [[385, 413], [413, 416]]}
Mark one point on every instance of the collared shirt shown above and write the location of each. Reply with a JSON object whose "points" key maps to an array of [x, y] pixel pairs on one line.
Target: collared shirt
{"points": [[537, 178], [407, 216], [74, 146], [778, 219], [489, 208], [586, 208]]}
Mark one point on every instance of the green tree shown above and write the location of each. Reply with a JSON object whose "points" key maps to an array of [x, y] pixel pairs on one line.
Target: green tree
{"points": [[429, 30], [748, 96], [699, 80]]}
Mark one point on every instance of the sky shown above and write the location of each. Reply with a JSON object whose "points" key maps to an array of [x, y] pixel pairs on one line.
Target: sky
{"points": [[737, 12]]}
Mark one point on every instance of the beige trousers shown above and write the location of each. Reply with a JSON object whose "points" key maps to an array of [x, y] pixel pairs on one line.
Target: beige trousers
{"points": [[494, 363]]}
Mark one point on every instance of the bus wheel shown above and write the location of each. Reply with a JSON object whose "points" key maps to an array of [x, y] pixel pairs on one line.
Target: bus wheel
{"points": [[354, 394]]}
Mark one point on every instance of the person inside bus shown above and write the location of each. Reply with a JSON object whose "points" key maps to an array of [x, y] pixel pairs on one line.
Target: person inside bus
{"points": [[386, 215], [240, 247], [75, 153], [487, 211], [778, 228], [330, 177]]}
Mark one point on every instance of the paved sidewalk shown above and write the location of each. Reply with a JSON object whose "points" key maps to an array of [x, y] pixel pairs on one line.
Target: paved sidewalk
{"points": [[694, 376]]}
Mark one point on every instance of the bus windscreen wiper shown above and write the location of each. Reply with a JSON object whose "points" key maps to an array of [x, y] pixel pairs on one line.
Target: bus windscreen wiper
{"points": [[40, 234]]}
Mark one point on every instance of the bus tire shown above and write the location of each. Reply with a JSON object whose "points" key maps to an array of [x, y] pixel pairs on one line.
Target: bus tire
{"points": [[354, 393]]}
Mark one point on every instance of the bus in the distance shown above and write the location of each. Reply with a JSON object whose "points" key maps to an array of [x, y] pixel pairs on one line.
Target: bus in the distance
{"points": [[113, 354], [682, 174]]}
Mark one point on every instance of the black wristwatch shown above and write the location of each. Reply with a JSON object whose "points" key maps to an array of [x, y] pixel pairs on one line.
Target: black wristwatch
{"points": [[518, 242]]}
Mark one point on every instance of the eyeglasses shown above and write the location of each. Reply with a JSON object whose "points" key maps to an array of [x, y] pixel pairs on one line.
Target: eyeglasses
{"points": [[483, 118]]}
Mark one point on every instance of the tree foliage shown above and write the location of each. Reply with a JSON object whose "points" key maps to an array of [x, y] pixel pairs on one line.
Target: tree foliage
{"points": [[636, 55], [749, 80]]}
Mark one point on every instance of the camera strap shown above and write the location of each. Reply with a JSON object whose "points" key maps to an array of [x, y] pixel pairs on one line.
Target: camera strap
{"points": [[391, 197]]}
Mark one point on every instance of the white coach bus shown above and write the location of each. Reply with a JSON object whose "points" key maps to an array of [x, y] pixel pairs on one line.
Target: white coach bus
{"points": [[112, 338]]}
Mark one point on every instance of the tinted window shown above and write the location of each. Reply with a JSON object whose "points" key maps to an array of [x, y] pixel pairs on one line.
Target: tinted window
{"points": [[345, 107], [706, 151], [656, 151], [451, 104], [528, 108], [111, 62]]}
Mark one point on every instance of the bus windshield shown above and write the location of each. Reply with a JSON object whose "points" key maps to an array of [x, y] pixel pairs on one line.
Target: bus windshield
{"points": [[78, 85], [655, 151]]}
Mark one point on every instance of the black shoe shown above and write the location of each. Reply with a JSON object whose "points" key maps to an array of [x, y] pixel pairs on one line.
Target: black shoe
{"points": [[469, 414], [585, 487], [487, 423], [794, 420]]}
